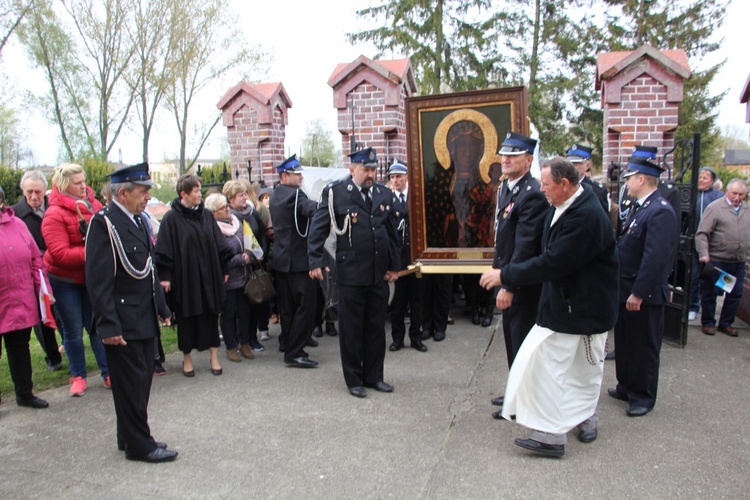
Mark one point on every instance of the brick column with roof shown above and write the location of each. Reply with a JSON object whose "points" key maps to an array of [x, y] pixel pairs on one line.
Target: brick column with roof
{"points": [[641, 92], [256, 115], [370, 96]]}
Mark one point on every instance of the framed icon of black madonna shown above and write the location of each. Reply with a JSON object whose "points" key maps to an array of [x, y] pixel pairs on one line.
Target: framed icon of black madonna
{"points": [[454, 173]]}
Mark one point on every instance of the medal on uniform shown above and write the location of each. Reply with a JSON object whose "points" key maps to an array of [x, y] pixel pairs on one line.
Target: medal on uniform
{"points": [[354, 217], [382, 208], [508, 209]]}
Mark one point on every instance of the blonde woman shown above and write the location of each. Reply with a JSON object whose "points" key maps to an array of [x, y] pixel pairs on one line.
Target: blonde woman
{"points": [[71, 206]]}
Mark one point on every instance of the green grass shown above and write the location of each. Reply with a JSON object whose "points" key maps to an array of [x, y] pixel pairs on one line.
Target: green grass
{"points": [[44, 379]]}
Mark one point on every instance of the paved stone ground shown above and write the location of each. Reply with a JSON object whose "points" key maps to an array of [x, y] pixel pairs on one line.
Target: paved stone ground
{"points": [[263, 430]]}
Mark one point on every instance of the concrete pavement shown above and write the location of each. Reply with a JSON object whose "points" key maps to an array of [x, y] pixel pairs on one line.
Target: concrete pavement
{"points": [[263, 430]]}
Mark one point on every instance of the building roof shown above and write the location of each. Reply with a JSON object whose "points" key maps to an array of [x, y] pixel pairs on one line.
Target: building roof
{"points": [[609, 64], [745, 97], [737, 157]]}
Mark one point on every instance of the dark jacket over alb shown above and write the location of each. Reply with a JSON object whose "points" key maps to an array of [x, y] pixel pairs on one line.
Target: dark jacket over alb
{"points": [[578, 267]]}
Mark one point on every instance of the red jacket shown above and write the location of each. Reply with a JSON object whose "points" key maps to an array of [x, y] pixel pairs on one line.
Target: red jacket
{"points": [[66, 254]]}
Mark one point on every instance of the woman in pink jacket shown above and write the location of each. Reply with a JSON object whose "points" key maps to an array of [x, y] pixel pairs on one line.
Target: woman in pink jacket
{"points": [[71, 206], [20, 263]]}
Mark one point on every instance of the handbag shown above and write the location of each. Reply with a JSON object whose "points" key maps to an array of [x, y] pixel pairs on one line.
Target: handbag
{"points": [[259, 287]]}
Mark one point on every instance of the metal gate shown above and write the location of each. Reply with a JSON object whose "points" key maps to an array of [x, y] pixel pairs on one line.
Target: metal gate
{"points": [[684, 158]]}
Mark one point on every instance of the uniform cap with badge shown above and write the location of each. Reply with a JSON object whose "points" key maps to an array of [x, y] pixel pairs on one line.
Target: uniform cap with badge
{"points": [[398, 167], [577, 153], [367, 157], [517, 144], [291, 166], [648, 152], [640, 165], [137, 174]]}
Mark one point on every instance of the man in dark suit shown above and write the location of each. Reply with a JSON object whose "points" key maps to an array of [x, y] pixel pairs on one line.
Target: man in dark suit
{"points": [[30, 209], [291, 212], [519, 222], [127, 301], [580, 157], [407, 293], [367, 251], [645, 245]]}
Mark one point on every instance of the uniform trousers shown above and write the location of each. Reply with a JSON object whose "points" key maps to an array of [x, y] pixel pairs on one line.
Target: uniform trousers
{"points": [[362, 311], [436, 302], [296, 298], [407, 294], [131, 370], [519, 318], [638, 341]]}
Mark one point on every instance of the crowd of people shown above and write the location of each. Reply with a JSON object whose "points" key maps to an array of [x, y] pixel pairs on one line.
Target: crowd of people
{"points": [[562, 277]]}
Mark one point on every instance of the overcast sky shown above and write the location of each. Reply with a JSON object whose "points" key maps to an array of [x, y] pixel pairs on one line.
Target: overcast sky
{"points": [[308, 41]]}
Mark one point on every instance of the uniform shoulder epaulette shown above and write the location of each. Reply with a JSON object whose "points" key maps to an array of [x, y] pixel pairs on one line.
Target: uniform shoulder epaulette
{"points": [[335, 183]]}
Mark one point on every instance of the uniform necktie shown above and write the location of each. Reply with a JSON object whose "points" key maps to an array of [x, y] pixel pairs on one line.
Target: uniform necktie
{"points": [[138, 221], [403, 198], [368, 201]]}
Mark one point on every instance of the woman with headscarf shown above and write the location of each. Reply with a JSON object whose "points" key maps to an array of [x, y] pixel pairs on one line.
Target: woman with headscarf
{"points": [[71, 206], [21, 274]]}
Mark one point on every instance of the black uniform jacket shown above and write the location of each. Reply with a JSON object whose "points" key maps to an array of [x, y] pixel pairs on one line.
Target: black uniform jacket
{"points": [[369, 247], [291, 213], [599, 190], [578, 268], [520, 217], [123, 305], [646, 246], [400, 221]]}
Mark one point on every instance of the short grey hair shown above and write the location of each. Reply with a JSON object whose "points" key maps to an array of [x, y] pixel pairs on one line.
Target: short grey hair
{"points": [[738, 180], [115, 187], [212, 201], [33, 175], [560, 168]]}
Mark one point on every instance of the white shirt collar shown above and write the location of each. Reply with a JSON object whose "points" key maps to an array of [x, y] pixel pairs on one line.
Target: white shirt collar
{"points": [[566, 204]]}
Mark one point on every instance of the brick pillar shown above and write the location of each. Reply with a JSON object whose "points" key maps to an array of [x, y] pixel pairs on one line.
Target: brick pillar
{"points": [[641, 92], [371, 96], [255, 116]]}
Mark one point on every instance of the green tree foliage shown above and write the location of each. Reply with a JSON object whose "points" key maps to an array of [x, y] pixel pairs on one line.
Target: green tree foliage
{"points": [[318, 147], [445, 40], [96, 174], [12, 13], [9, 180]]}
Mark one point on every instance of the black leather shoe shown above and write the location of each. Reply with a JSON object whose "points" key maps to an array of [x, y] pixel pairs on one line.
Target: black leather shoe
{"points": [[381, 386], [418, 345], [426, 335], [396, 346], [54, 367], [549, 450], [614, 394], [331, 329], [312, 342], [487, 321], [475, 318], [301, 362], [637, 411], [610, 356], [32, 402], [317, 332], [497, 415], [358, 391], [587, 436], [439, 336], [498, 401], [158, 455], [121, 446]]}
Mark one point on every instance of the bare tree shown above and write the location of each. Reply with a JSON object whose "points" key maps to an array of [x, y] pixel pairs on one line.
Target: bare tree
{"points": [[153, 37], [207, 47]]}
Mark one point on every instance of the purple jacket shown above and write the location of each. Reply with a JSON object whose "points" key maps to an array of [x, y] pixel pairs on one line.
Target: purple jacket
{"points": [[20, 261]]}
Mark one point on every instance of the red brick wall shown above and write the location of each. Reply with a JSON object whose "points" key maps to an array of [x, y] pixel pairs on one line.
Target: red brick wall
{"points": [[262, 144], [376, 124], [642, 117]]}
